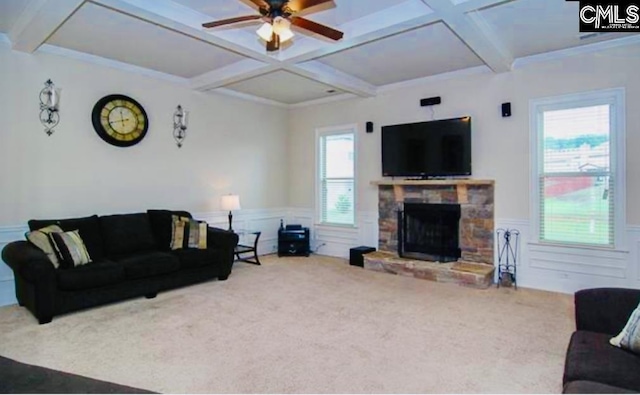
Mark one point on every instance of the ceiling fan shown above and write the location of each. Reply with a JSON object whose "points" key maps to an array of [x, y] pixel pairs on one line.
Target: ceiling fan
{"points": [[278, 16]]}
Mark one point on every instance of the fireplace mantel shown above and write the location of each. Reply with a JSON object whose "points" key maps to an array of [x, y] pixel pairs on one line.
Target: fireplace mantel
{"points": [[453, 181]]}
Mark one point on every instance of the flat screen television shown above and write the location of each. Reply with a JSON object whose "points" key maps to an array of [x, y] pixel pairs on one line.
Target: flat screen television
{"points": [[427, 149]]}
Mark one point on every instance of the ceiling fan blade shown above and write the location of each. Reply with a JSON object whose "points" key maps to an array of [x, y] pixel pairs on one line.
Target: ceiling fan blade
{"points": [[260, 3], [316, 28], [299, 5], [231, 20]]}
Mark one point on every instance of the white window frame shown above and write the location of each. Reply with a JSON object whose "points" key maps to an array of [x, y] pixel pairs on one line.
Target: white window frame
{"points": [[329, 131], [616, 98]]}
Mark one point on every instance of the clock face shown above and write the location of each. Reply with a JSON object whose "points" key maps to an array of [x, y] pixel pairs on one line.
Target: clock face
{"points": [[119, 120]]}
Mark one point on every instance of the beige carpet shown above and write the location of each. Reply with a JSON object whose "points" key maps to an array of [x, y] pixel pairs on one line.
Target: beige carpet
{"points": [[300, 325]]}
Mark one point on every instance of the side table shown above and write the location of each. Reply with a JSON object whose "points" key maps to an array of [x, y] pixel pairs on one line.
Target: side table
{"points": [[242, 249]]}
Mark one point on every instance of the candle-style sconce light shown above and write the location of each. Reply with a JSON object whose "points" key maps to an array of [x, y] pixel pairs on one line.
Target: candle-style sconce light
{"points": [[49, 107], [180, 123]]}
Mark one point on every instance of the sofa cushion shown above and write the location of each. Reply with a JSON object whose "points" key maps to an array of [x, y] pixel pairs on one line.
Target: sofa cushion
{"points": [[89, 228], [126, 234], [591, 357], [192, 258], [149, 264], [591, 387], [161, 226], [91, 275]]}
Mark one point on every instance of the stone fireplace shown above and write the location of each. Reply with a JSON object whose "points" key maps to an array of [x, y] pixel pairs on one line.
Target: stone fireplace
{"points": [[428, 202]]}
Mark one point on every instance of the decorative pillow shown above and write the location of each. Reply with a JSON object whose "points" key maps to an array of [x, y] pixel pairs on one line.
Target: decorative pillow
{"points": [[197, 234], [178, 227], [40, 238], [629, 338], [188, 233], [70, 249]]}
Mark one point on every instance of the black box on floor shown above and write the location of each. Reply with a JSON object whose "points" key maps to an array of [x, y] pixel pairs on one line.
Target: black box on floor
{"points": [[356, 255]]}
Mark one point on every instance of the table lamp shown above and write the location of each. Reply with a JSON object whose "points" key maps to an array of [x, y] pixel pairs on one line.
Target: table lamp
{"points": [[230, 202]]}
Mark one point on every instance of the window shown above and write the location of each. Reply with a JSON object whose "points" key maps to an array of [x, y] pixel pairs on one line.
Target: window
{"points": [[578, 166], [336, 175]]}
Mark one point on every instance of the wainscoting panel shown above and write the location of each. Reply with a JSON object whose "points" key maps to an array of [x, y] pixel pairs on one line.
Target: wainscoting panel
{"points": [[567, 270], [539, 266], [7, 288], [338, 240]]}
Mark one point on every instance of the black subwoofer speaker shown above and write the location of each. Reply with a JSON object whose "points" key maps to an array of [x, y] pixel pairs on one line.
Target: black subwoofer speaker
{"points": [[356, 255]]}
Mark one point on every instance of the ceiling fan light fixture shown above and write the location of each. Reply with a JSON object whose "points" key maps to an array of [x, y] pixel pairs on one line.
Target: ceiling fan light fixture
{"points": [[265, 32], [281, 25], [286, 35]]}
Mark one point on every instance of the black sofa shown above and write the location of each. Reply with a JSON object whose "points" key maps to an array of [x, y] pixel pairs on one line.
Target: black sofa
{"points": [[22, 378], [131, 257], [593, 365]]}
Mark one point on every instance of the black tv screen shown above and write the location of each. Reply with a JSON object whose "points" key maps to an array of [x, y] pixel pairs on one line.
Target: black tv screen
{"points": [[427, 149]]}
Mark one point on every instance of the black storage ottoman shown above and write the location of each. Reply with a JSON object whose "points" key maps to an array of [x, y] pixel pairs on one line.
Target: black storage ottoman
{"points": [[356, 257]]}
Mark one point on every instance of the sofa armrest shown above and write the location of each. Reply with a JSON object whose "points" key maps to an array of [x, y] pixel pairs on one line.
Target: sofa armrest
{"points": [[226, 241], [32, 269], [605, 310], [28, 261]]}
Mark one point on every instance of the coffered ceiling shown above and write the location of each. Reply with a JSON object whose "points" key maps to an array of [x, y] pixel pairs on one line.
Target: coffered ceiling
{"points": [[386, 42]]}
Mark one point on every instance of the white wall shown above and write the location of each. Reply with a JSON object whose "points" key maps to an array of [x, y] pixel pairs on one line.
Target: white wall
{"points": [[232, 146], [500, 145]]}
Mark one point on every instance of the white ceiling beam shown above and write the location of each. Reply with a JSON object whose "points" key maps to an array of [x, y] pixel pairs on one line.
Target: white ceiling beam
{"points": [[475, 5], [320, 72], [475, 33], [39, 20], [395, 20], [165, 14], [231, 74]]}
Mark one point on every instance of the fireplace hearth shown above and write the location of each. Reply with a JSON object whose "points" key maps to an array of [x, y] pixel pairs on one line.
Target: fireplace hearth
{"points": [[429, 232]]}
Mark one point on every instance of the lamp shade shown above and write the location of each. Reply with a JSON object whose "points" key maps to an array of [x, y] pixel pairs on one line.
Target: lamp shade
{"points": [[230, 202], [265, 31]]}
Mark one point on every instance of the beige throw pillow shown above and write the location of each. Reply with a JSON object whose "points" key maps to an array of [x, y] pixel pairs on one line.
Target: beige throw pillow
{"points": [[629, 338], [40, 238], [188, 233]]}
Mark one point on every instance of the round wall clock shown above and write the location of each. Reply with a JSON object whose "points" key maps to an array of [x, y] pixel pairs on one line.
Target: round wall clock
{"points": [[119, 120]]}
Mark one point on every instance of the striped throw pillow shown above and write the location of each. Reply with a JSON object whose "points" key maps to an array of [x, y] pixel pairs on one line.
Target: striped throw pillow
{"points": [[188, 233], [629, 338], [40, 238], [70, 249], [197, 235]]}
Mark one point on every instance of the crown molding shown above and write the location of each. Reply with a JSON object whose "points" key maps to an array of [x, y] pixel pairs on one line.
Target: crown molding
{"points": [[114, 64], [248, 97], [583, 49]]}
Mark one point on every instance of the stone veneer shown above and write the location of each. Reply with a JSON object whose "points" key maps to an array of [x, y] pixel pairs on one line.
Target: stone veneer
{"points": [[475, 268], [476, 198]]}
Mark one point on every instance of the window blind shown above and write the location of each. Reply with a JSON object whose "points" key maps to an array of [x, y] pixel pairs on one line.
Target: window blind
{"points": [[575, 180], [336, 177]]}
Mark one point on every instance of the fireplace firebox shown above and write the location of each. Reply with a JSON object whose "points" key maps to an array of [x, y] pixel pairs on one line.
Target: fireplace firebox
{"points": [[429, 232]]}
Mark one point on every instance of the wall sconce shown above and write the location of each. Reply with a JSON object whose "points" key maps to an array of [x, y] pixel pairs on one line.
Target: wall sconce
{"points": [[180, 122], [49, 102]]}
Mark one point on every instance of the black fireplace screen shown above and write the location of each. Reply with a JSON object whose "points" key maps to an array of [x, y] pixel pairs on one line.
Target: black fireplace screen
{"points": [[429, 232]]}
